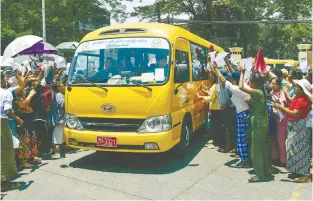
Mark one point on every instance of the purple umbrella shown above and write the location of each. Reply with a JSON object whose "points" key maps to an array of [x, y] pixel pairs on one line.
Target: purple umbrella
{"points": [[40, 48]]}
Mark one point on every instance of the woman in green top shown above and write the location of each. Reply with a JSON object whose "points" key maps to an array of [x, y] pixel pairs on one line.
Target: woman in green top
{"points": [[259, 125]]}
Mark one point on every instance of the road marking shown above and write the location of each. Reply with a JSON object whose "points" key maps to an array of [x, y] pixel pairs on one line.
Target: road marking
{"points": [[296, 194]]}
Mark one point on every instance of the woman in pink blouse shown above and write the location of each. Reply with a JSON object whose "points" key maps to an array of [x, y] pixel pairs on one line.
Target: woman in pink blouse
{"points": [[278, 143]]}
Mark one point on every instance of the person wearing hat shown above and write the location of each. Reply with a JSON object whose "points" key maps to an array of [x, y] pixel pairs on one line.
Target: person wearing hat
{"points": [[298, 139], [242, 114]]}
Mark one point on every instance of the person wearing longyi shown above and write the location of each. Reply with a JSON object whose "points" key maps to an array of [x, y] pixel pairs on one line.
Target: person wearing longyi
{"points": [[8, 166], [259, 124], [298, 143], [242, 109], [278, 144]]}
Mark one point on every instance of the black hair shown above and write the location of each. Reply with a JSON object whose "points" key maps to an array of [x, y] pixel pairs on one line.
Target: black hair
{"points": [[277, 72], [55, 88], [109, 58], [298, 74], [268, 93], [259, 81], [278, 80], [310, 76], [160, 57], [152, 66]]}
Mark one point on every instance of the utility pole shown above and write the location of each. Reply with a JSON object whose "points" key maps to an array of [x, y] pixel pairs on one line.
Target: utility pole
{"points": [[44, 21], [158, 11]]}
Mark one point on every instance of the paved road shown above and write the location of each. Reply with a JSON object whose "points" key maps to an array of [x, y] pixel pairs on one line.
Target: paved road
{"points": [[203, 174]]}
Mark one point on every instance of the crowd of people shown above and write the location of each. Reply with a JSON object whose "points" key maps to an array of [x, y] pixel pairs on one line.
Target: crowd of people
{"points": [[265, 120], [32, 118]]}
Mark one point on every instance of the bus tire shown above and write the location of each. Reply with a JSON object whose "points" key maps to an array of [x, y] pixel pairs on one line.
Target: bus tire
{"points": [[185, 138]]}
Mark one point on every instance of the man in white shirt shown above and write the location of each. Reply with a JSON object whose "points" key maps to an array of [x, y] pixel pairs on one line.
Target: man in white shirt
{"points": [[242, 109]]}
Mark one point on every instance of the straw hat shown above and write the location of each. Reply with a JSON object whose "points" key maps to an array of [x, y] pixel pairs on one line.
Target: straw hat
{"points": [[305, 85], [284, 71]]}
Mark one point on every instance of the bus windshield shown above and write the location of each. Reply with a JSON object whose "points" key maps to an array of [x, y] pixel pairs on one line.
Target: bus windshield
{"points": [[121, 61]]}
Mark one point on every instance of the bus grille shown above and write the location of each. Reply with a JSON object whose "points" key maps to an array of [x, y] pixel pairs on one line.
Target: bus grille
{"points": [[111, 125]]}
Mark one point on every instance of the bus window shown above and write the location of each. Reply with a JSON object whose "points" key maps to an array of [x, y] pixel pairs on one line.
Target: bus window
{"points": [[181, 67], [198, 55]]}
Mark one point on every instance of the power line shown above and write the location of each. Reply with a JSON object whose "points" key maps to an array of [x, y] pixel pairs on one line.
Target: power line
{"points": [[181, 21]]}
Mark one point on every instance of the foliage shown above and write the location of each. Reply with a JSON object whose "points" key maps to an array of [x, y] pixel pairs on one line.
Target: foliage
{"points": [[274, 38], [22, 17]]}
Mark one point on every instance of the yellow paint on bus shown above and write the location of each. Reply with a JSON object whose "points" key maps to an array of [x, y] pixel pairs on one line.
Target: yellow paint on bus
{"points": [[152, 116]]}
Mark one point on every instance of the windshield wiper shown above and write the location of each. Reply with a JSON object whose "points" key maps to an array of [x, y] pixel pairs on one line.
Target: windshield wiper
{"points": [[94, 84], [139, 84]]}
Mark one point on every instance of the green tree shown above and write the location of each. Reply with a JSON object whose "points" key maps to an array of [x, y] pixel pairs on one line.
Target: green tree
{"points": [[23, 17], [273, 38]]}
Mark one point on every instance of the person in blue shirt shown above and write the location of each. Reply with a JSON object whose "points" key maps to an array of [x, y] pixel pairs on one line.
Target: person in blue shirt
{"points": [[161, 62], [107, 72]]}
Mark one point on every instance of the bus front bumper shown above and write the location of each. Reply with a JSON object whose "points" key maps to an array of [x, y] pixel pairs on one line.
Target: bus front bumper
{"points": [[126, 142]]}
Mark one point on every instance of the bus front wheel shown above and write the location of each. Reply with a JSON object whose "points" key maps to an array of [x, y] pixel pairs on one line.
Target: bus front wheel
{"points": [[185, 138]]}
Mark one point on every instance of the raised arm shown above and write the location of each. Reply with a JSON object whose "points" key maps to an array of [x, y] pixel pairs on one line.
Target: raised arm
{"points": [[21, 81], [230, 67], [241, 83], [218, 74], [27, 100]]}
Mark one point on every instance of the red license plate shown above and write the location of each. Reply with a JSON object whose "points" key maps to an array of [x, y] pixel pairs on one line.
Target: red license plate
{"points": [[106, 141]]}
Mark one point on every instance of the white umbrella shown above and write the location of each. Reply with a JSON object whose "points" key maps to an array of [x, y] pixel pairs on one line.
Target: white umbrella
{"points": [[67, 46], [7, 62], [59, 60], [20, 44], [22, 58]]}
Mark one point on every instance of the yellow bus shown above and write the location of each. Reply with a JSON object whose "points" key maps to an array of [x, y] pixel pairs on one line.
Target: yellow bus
{"points": [[133, 88], [288, 62]]}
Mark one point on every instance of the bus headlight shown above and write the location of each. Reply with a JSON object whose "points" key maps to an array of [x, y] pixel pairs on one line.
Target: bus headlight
{"points": [[71, 121], [156, 124]]}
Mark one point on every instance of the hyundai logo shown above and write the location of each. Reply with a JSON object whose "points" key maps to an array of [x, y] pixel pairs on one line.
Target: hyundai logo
{"points": [[108, 108]]}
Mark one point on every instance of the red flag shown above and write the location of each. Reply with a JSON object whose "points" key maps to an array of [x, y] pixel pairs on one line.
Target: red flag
{"points": [[260, 62]]}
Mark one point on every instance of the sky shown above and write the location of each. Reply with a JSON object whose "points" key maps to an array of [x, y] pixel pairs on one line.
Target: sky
{"points": [[130, 7], [135, 3]]}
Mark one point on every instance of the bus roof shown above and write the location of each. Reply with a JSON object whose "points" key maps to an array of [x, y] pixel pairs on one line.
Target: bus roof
{"points": [[167, 31], [278, 61]]}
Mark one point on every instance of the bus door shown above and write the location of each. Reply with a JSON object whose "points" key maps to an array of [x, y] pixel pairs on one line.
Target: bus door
{"points": [[182, 96]]}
